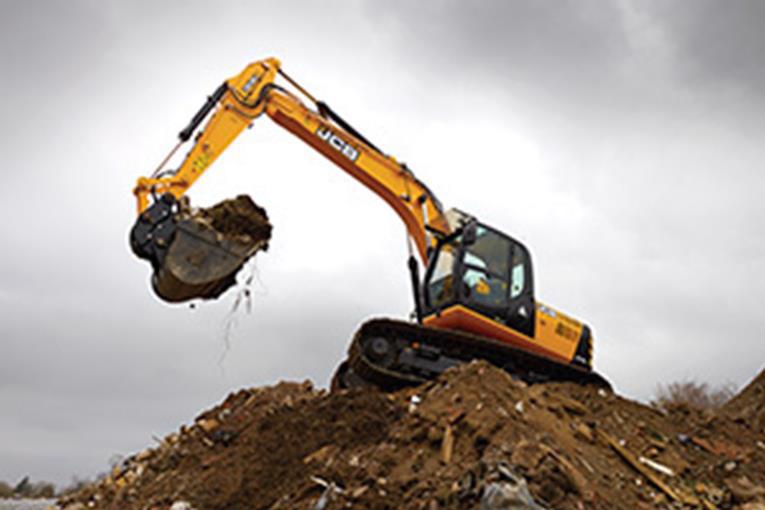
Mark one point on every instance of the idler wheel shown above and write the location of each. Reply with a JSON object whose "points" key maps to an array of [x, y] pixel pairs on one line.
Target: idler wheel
{"points": [[380, 351]]}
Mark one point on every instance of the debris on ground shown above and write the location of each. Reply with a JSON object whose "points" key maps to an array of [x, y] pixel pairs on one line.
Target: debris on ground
{"points": [[210, 247], [749, 405], [456, 442]]}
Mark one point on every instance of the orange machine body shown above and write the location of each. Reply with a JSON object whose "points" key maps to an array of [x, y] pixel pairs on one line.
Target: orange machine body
{"points": [[556, 335]]}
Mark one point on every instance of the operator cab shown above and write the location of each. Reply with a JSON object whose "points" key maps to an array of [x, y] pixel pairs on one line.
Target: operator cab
{"points": [[482, 270]]}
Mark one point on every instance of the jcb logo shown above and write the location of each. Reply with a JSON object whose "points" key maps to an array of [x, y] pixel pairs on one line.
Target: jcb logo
{"points": [[337, 143]]}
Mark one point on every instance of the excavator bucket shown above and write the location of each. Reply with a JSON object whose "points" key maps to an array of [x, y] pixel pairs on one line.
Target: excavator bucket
{"points": [[197, 253]]}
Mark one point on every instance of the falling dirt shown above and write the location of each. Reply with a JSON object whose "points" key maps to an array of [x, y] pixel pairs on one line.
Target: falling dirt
{"points": [[451, 443]]}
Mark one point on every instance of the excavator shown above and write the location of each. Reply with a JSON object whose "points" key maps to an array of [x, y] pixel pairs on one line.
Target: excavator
{"points": [[473, 286]]}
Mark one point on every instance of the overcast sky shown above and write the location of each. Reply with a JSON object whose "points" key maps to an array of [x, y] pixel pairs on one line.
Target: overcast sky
{"points": [[621, 141]]}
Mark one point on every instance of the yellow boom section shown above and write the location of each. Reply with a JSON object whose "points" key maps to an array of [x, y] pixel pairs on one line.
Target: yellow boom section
{"points": [[252, 92]]}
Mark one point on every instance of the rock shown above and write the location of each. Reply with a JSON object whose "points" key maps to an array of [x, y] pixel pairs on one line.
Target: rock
{"points": [[527, 454], [435, 434], [321, 456], [751, 506], [130, 477], [583, 432], [572, 406], [144, 455], [743, 489], [447, 445], [181, 505], [508, 495], [208, 425], [359, 491], [224, 437], [574, 477]]}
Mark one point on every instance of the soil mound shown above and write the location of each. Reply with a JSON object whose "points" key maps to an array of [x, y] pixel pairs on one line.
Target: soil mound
{"points": [[749, 405], [474, 439]]}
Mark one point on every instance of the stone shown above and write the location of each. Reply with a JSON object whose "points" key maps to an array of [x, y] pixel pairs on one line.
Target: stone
{"points": [[743, 489], [322, 455], [144, 455], [181, 505], [508, 495], [208, 425], [751, 506], [447, 445], [583, 432]]}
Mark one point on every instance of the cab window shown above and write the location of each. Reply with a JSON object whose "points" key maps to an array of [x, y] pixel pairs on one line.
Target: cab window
{"points": [[486, 274], [518, 273], [490, 252], [440, 288]]}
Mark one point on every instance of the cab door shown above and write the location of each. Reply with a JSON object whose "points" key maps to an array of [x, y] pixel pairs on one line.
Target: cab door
{"points": [[521, 309]]}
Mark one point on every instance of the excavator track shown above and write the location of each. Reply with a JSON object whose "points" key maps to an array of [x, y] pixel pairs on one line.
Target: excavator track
{"points": [[393, 354]]}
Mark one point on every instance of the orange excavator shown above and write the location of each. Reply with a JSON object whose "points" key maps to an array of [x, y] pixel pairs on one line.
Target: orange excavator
{"points": [[473, 286]]}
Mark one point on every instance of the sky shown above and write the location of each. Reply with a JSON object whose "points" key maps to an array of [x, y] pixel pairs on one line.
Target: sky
{"points": [[621, 141]]}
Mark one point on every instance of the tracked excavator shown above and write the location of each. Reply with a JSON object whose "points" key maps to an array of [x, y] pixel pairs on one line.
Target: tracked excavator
{"points": [[473, 286]]}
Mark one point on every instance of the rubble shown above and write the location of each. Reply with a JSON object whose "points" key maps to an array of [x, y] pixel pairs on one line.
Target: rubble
{"points": [[457, 442], [748, 407]]}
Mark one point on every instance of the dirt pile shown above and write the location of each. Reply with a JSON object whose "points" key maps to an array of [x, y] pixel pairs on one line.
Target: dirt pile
{"points": [[473, 439], [749, 405], [209, 248]]}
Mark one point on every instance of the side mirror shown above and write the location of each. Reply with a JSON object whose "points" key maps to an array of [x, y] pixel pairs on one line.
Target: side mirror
{"points": [[469, 234]]}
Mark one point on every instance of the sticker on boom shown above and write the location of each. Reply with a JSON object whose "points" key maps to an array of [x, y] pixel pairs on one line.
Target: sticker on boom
{"points": [[337, 143]]}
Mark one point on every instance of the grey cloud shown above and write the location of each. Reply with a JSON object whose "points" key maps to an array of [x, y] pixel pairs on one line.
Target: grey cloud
{"points": [[588, 59], [718, 42], [544, 51]]}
